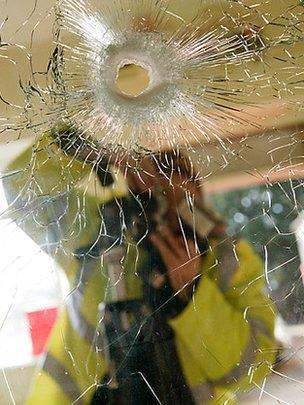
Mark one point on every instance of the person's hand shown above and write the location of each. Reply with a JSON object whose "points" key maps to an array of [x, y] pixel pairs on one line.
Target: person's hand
{"points": [[181, 258]]}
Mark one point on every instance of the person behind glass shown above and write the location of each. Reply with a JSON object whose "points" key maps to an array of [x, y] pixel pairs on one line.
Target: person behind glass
{"points": [[144, 364], [163, 308], [136, 336]]}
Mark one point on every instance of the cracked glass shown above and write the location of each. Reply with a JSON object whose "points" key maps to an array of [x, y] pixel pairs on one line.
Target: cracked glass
{"points": [[151, 202]]}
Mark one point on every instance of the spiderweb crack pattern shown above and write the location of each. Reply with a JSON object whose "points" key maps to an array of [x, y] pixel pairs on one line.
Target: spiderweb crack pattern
{"points": [[225, 89]]}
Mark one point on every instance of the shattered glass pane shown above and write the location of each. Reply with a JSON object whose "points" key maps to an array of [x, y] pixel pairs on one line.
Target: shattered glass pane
{"points": [[151, 202]]}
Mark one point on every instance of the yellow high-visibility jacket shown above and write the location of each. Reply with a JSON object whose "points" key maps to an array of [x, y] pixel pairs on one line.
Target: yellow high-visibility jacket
{"points": [[224, 336]]}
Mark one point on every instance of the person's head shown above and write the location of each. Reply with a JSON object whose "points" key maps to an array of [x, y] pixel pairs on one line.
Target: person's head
{"points": [[177, 176], [170, 178], [181, 185]]}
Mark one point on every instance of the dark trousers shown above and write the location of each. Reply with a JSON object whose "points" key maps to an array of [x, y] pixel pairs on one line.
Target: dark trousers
{"points": [[143, 359]]}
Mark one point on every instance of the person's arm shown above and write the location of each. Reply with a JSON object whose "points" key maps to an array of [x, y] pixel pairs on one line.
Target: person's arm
{"points": [[181, 258], [246, 289]]}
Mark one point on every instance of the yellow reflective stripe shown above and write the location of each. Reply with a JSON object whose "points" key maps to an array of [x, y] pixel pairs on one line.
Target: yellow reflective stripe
{"points": [[259, 326], [84, 282], [209, 394], [60, 374], [203, 393], [227, 262], [83, 361], [84, 329], [222, 396], [247, 360]]}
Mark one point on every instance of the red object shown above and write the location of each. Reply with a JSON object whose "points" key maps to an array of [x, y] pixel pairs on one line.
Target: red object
{"points": [[41, 323]]}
